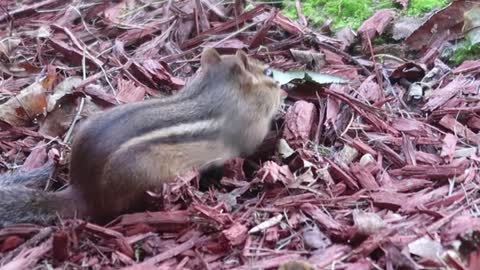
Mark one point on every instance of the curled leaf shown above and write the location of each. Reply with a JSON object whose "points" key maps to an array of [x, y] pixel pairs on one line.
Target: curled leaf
{"points": [[320, 78]]}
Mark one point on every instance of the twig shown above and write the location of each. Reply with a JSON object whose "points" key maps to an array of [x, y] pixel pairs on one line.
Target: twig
{"points": [[298, 6], [82, 102], [220, 42], [26, 9], [95, 77], [366, 72], [169, 253], [75, 119], [375, 67], [233, 34]]}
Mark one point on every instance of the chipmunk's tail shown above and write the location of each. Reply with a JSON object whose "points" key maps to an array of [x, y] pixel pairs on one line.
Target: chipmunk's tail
{"points": [[20, 204], [23, 200], [37, 177]]}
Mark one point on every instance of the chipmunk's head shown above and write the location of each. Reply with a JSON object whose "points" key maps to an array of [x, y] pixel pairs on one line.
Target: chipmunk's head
{"points": [[254, 79]]}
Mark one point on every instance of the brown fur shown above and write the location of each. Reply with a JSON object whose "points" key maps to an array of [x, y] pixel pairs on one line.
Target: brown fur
{"points": [[123, 152]]}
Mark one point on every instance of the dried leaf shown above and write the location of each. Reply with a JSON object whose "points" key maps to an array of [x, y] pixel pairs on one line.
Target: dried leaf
{"points": [[271, 172], [367, 223], [426, 248], [315, 239], [320, 78], [22, 109]]}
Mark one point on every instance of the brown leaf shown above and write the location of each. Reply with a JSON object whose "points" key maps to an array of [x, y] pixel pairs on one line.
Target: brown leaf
{"points": [[23, 108], [57, 121], [411, 71], [50, 79], [449, 19], [271, 172]]}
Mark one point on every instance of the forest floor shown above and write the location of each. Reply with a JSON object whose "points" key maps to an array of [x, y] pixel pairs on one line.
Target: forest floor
{"points": [[378, 171]]}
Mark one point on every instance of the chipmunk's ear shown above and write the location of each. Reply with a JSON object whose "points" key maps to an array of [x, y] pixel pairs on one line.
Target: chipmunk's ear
{"points": [[210, 56], [243, 57]]}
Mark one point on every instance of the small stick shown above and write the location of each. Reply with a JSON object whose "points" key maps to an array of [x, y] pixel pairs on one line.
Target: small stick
{"points": [[75, 119], [298, 6], [26, 9], [366, 72], [168, 253]]}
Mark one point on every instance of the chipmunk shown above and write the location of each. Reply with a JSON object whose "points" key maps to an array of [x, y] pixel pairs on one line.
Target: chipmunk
{"points": [[121, 153]]}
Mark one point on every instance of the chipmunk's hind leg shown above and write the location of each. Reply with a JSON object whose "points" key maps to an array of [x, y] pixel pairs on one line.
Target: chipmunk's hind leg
{"points": [[211, 177], [123, 187]]}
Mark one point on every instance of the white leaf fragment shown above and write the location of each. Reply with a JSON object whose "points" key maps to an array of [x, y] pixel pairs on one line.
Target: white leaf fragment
{"points": [[267, 224]]}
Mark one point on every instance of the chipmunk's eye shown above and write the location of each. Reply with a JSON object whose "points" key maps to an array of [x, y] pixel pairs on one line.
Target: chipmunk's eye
{"points": [[268, 72]]}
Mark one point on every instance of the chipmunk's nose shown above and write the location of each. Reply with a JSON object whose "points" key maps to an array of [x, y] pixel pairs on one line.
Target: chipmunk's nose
{"points": [[283, 93]]}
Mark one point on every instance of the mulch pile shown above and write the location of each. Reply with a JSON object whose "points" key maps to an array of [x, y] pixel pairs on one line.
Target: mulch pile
{"points": [[377, 173]]}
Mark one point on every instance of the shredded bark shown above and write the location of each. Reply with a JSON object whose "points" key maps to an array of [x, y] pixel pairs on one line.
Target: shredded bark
{"points": [[380, 172]]}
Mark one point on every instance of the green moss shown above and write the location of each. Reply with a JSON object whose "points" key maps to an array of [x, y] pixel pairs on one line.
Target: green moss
{"points": [[463, 51], [352, 12], [348, 12], [379, 40], [310, 8], [417, 7], [343, 12]]}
